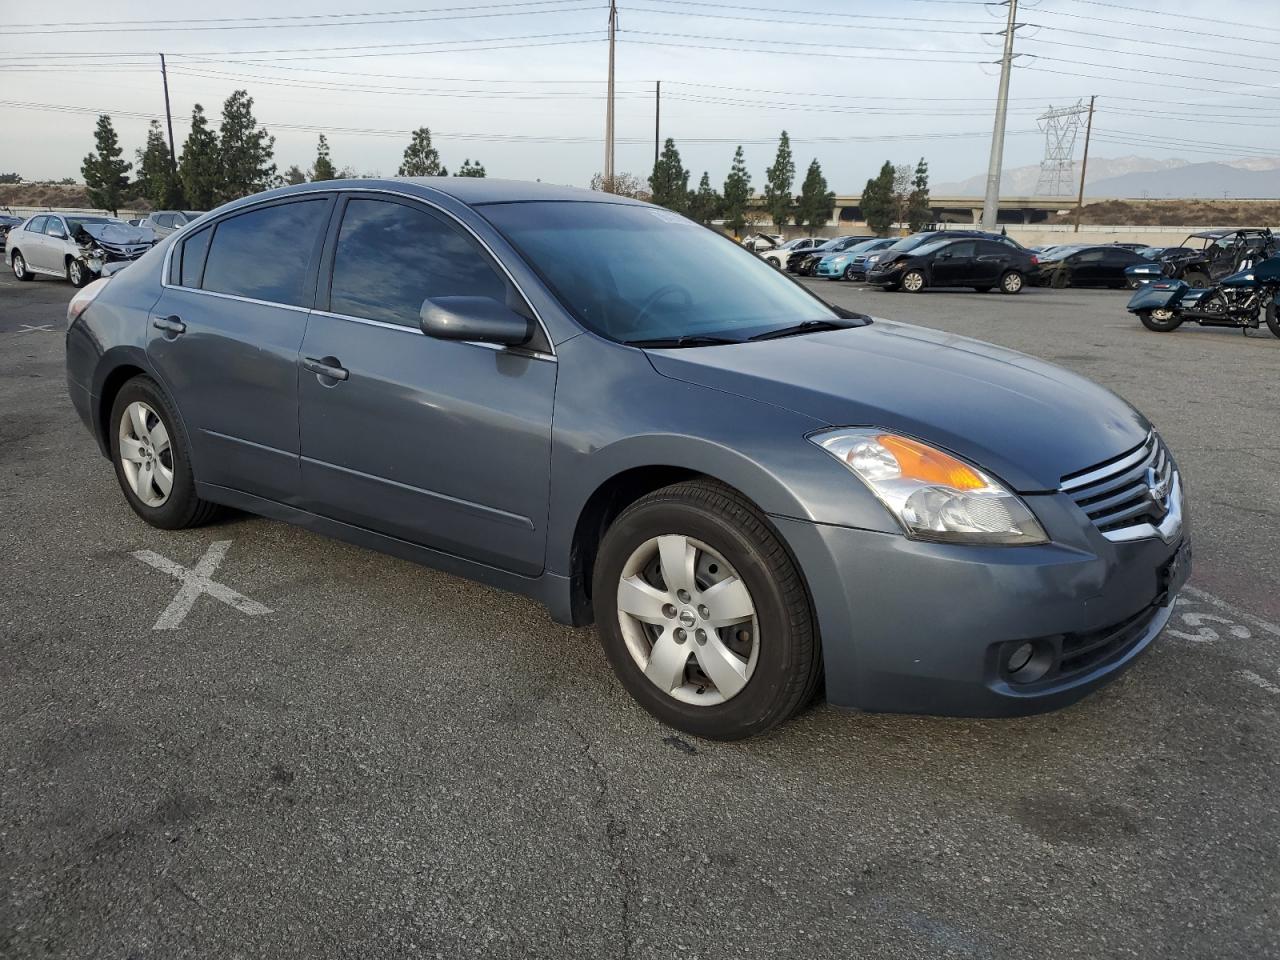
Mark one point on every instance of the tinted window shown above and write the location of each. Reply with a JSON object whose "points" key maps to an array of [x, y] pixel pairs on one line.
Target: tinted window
{"points": [[390, 257], [963, 249], [634, 272], [1090, 256], [190, 257], [264, 254], [990, 248]]}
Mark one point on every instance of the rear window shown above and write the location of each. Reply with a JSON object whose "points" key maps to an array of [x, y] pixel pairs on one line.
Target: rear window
{"points": [[264, 254]]}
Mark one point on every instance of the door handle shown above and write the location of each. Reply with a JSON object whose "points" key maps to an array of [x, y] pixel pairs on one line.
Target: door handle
{"points": [[169, 325], [326, 367]]}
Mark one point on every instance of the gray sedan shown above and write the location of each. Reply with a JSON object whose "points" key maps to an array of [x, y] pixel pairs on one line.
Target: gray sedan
{"points": [[602, 405]]}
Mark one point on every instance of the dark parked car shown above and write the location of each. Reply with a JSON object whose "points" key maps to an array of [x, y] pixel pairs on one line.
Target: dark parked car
{"points": [[944, 261], [853, 262], [7, 223], [604, 406], [1087, 266], [805, 262]]}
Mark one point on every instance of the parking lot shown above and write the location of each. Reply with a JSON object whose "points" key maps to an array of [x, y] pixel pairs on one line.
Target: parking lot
{"points": [[323, 751]]}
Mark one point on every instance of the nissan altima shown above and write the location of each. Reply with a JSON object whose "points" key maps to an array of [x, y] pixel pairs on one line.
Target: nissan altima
{"points": [[600, 404]]}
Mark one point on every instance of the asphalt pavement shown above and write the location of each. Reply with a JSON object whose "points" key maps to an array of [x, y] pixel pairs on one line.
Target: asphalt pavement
{"points": [[327, 752]]}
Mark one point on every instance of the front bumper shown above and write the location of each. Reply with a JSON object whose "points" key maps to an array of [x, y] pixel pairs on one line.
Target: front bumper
{"points": [[825, 269], [914, 627], [884, 275]]}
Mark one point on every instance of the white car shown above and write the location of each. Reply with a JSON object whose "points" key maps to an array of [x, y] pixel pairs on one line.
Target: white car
{"points": [[778, 255], [75, 247], [165, 222]]}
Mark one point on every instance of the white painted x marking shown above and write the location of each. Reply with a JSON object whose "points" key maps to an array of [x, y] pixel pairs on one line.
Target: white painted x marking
{"points": [[28, 328], [196, 581]]}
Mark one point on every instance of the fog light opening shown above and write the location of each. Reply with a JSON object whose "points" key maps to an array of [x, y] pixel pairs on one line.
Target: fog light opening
{"points": [[1028, 661]]}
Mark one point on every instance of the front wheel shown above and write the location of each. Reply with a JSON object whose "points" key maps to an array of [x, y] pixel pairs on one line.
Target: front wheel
{"points": [[1161, 320], [19, 265], [1273, 322], [703, 615], [77, 273], [913, 281], [1194, 278], [849, 274], [1011, 282]]}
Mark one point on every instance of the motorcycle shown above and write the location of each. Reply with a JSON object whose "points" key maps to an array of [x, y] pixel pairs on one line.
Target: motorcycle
{"points": [[1239, 300]]}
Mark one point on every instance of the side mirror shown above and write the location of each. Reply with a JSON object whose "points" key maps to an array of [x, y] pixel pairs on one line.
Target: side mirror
{"points": [[474, 318]]}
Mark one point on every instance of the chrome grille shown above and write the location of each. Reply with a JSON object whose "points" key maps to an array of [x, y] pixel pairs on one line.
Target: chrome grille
{"points": [[1118, 495]]}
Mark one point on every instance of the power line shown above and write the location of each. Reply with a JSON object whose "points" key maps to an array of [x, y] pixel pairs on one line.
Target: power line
{"points": [[1163, 13]]}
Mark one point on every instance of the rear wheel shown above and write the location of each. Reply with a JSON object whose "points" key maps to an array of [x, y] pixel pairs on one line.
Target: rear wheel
{"points": [[1161, 320], [19, 265], [1195, 278], [703, 615], [913, 281], [152, 457], [1273, 322], [1011, 282]]}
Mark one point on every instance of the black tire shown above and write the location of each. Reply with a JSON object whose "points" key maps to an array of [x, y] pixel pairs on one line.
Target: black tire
{"points": [[983, 289], [913, 286], [1194, 278], [77, 273], [1273, 322], [19, 264], [183, 508], [789, 659], [1161, 325], [1012, 282], [848, 273]]}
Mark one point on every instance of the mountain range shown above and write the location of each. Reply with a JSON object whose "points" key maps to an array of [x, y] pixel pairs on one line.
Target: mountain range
{"points": [[1145, 178]]}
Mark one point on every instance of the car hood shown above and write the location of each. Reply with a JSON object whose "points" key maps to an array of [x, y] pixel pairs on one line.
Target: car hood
{"points": [[1028, 422], [119, 233]]}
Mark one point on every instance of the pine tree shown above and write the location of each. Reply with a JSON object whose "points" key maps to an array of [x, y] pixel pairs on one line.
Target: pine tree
{"points": [[737, 193], [918, 212], [323, 168], [705, 203], [421, 159], [106, 172], [156, 180], [877, 200], [294, 175], [470, 169], [200, 169], [247, 165], [816, 202], [669, 180], [778, 181]]}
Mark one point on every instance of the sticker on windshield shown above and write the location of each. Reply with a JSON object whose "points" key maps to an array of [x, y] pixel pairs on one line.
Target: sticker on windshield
{"points": [[666, 216]]}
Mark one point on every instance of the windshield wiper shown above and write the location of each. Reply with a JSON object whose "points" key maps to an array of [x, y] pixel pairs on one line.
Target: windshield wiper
{"points": [[690, 340], [808, 326]]}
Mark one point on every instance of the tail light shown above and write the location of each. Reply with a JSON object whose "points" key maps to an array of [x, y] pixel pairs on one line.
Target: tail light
{"points": [[1035, 261]]}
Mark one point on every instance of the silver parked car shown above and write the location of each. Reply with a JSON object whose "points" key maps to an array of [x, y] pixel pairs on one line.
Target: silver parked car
{"points": [[165, 222], [75, 247]]}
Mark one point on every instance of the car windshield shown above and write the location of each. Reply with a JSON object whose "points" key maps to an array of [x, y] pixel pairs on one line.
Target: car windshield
{"points": [[932, 246], [911, 242], [75, 223], [631, 272]]}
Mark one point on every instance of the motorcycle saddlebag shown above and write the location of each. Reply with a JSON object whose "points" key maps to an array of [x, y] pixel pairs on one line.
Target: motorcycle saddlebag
{"points": [[1163, 293]]}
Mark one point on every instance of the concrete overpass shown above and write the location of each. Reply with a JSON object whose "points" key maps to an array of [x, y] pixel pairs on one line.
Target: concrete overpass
{"points": [[955, 209]]}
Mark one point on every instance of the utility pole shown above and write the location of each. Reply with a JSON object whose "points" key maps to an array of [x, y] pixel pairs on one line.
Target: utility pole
{"points": [[608, 110], [657, 119], [991, 205], [168, 115], [1084, 164]]}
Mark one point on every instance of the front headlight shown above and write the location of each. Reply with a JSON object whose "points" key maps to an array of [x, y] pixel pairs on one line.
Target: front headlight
{"points": [[934, 495], [839, 260], [874, 258]]}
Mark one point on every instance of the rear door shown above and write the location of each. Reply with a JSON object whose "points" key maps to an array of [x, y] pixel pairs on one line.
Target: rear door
{"points": [[30, 242], [441, 443], [225, 334], [992, 260]]}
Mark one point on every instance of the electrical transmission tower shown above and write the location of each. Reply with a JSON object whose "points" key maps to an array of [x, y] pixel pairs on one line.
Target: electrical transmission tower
{"points": [[1061, 126]]}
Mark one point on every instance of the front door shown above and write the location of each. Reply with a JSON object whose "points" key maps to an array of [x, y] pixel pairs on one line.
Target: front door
{"points": [[443, 444], [953, 264], [224, 337]]}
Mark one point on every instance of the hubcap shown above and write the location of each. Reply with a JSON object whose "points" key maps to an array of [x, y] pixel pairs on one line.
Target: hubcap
{"points": [[19, 265], [1160, 313], [146, 454], [913, 282], [1012, 282], [75, 271], [688, 620]]}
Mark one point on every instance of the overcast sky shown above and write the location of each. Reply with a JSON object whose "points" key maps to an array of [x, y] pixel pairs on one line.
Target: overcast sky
{"points": [[519, 86]]}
